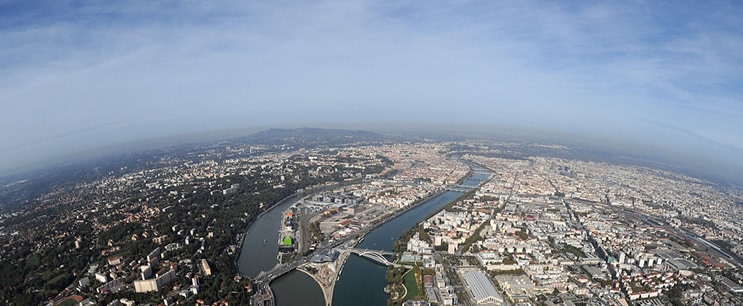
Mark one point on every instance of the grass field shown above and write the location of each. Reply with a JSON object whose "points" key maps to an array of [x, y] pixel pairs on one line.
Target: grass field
{"points": [[411, 283]]}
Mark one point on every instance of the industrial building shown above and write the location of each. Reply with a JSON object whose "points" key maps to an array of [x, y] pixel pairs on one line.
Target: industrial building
{"points": [[482, 289]]}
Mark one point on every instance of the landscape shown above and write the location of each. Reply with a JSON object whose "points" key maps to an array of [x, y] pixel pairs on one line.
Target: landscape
{"points": [[502, 222], [354, 153]]}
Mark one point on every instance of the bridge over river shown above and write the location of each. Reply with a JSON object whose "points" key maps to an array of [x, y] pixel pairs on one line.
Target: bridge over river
{"points": [[375, 255], [262, 281], [346, 246]]}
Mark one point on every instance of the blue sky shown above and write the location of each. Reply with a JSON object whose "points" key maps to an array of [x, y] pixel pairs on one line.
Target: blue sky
{"points": [[666, 76]]}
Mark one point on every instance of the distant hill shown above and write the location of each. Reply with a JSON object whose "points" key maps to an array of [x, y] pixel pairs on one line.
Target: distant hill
{"points": [[313, 137]]}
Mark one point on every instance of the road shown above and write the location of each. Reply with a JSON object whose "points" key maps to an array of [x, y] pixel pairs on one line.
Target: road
{"points": [[305, 236], [282, 269]]}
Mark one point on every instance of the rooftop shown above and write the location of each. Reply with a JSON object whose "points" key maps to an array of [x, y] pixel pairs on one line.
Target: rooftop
{"points": [[481, 287]]}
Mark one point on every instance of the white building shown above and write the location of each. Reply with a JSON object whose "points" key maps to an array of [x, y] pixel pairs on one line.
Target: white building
{"points": [[489, 258], [154, 284], [415, 244], [482, 289], [101, 277]]}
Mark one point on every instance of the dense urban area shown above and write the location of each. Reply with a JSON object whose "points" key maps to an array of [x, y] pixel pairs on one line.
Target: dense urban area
{"points": [[547, 227]]}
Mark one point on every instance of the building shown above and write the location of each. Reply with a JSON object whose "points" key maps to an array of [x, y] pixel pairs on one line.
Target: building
{"points": [[83, 282], [153, 255], [482, 289], [154, 284], [518, 287], [145, 271], [452, 248], [415, 244], [327, 256], [416, 303], [160, 239], [205, 267], [112, 286], [101, 277], [489, 258], [114, 261], [127, 302], [410, 257], [732, 285], [428, 281], [232, 190]]}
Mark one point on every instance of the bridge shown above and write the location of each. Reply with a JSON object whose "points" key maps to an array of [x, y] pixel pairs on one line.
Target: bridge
{"points": [[375, 255], [262, 281], [460, 188], [264, 296], [464, 188], [279, 270]]}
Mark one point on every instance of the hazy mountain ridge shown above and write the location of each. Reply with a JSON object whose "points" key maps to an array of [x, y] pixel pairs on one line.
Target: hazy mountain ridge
{"points": [[311, 137]]}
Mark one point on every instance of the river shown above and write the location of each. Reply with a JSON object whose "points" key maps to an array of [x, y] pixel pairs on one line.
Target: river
{"points": [[260, 245], [362, 281]]}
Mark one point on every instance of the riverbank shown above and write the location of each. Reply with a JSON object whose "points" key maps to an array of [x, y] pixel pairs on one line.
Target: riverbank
{"points": [[245, 233], [364, 275], [342, 260], [400, 218], [263, 253], [363, 281], [437, 193]]}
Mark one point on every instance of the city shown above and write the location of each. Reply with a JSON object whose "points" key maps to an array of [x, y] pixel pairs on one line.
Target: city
{"points": [[366, 153], [529, 230]]}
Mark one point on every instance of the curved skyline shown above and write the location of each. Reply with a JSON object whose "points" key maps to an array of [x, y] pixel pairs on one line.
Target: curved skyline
{"points": [[664, 77]]}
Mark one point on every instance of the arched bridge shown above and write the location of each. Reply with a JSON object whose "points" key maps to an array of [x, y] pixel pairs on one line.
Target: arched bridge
{"points": [[376, 255]]}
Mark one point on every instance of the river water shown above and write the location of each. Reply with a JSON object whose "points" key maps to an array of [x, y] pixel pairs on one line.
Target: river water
{"points": [[297, 288], [362, 281], [257, 256], [294, 288]]}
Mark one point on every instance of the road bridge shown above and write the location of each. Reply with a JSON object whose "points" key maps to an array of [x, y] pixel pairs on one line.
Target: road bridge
{"points": [[263, 279], [459, 188], [279, 270]]}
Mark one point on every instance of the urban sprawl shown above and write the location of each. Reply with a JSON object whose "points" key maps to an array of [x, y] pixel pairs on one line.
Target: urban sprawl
{"points": [[539, 230]]}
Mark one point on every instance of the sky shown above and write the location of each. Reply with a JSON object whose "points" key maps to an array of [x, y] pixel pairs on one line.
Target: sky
{"points": [[665, 77]]}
